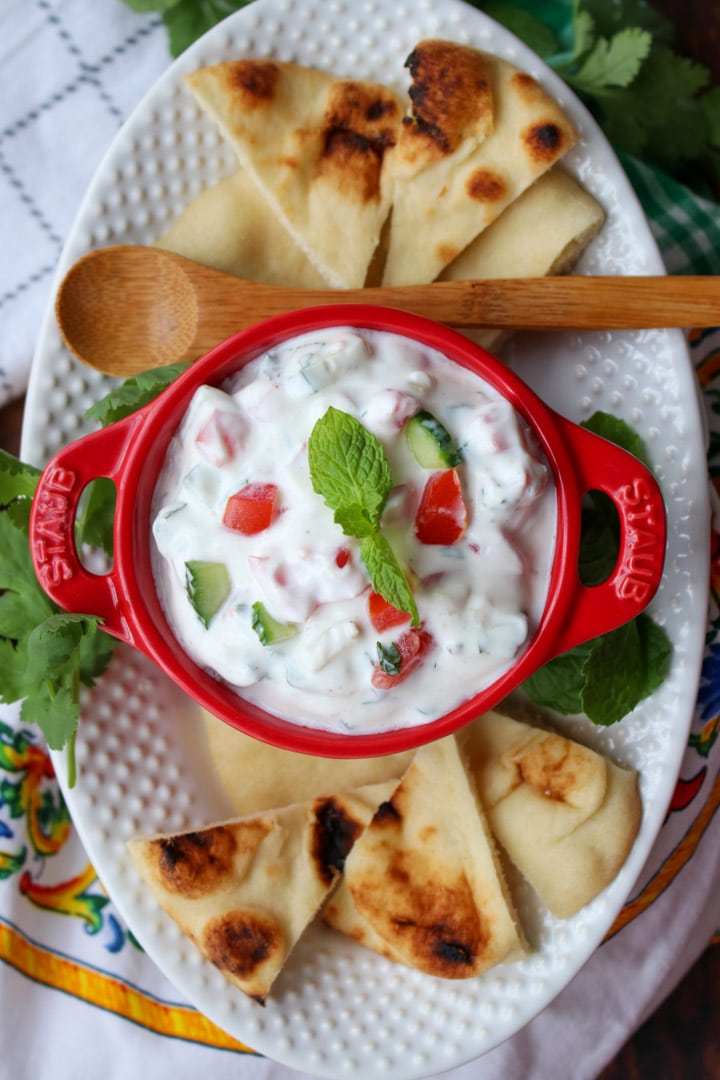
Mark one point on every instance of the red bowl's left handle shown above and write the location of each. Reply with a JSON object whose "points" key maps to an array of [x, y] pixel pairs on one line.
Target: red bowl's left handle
{"points": [[52, 525]]}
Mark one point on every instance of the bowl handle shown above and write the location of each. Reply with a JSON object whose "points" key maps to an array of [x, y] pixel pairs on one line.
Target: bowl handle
{"points": [[52, 525], [600, 465]]}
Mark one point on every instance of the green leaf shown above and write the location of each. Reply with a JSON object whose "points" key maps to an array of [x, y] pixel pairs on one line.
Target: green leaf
{"points": [[133, 393], [614, 676], [617, 431], [54, 644], [348, 467], [55, 713], [386, 575], [355, 521], [528, 27], [598, 545], [611, 17], [559, 684], [389, 658], [96, 515], [710, 105], [614, 62], [14, 683], [188, 20], [144, 6], [16, 478], [20, 613], [657, 652], [96, 652], [16, 568]]}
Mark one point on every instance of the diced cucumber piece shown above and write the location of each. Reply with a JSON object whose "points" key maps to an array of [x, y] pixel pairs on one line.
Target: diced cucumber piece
{"points": [[208, 585], [269, 630], [432, 444]]}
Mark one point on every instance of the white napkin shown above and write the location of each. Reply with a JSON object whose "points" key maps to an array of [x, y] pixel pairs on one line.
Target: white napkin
{"points": [[78, 997]]}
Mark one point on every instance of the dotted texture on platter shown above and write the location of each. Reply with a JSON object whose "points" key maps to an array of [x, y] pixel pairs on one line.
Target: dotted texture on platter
{"points": [[340, 1010]]}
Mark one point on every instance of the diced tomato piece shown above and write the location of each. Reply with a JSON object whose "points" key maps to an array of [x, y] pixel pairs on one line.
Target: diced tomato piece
{"points": [[220, 437], [384, 616], [342, 557], [251, 509], [413, 645], [441, 516]]}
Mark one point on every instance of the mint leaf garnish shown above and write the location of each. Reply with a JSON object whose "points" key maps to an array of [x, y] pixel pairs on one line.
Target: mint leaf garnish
{"points": [[387, 576], [389, 658], [348, 468], [605, 678]]}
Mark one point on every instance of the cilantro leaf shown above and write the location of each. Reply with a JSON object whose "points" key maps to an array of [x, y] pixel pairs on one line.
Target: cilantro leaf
{"points": [[133, 393], [56, 712], [187, 20], [528, 27], [612, 62], [96, 514], [17, 480], [609, 18]]}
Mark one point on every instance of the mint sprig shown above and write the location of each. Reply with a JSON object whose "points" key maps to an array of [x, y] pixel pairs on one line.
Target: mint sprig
{"points": [[605, 678], [348, 468]]}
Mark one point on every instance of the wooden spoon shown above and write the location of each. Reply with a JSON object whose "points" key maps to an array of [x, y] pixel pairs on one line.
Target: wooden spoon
{"points": [[125, 309]]}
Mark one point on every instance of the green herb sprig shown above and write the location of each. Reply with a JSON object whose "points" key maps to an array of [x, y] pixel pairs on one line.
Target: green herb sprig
{"points": [[619, 58], [47, 655], [348, 468], [605, 678]]}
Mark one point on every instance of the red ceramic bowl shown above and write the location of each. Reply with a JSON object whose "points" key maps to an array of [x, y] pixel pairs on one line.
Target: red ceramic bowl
{"points": [[132, 452]]}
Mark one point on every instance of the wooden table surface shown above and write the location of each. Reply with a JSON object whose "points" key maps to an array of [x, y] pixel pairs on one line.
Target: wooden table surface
{"points": [[682, 1039]]}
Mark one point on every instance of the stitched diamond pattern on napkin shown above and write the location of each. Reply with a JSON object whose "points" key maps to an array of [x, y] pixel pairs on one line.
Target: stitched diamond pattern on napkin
{"points": [[80, 72]]}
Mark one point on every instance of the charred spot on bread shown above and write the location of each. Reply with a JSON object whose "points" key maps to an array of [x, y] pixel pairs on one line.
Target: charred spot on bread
{"points": [[544, 141], [387, 813], [359, 126], [556, 768], [255, 80], [487, 186], [333, 835], [195, 863], [450, 93], [239, 943]]}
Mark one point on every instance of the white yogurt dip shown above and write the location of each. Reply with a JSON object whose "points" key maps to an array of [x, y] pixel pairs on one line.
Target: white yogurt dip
{"points": [[478, 598]]}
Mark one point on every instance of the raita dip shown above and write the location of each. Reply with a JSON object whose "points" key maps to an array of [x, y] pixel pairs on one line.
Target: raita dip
{"points": [[263, 588]]}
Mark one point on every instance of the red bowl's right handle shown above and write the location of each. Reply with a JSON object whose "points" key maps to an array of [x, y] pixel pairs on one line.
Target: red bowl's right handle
{"points": [[600, 465], [52, 525]]}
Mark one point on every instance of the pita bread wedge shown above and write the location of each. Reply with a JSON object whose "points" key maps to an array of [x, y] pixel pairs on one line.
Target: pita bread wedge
{"points": [[424, 877], [244, 890], [439, 210], [544, 231], [230, 227], [566, 815], [257, 776], [316, 146]]}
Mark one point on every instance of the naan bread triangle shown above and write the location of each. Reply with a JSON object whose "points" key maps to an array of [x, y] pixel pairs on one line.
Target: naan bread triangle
{"points": [[244, 890], [438, 211], [424, 877], [316, 146], [230, 227], [565, 815], [258, 776]]}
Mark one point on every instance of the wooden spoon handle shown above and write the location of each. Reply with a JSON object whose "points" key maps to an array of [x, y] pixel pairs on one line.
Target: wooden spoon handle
{"points": [[550, 303], [569, 303]]}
